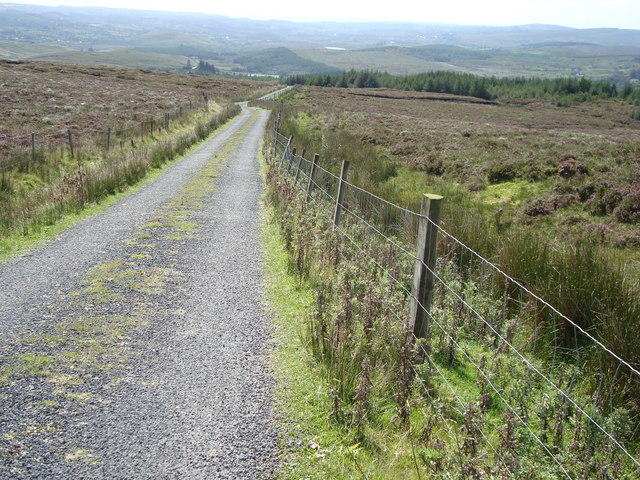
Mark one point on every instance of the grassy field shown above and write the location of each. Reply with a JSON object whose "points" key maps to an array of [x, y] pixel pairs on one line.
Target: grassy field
{"points": [[118, 58], [594, 61], [25, 51], [393, 60]]}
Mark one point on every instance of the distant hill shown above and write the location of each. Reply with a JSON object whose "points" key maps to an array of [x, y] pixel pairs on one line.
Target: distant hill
{"points": [[285, 47], [611, 63], [103, 26], [281, 61]]}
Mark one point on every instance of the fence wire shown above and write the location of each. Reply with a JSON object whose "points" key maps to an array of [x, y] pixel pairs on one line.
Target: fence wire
{"points": [[543, 375], [23, 152]]}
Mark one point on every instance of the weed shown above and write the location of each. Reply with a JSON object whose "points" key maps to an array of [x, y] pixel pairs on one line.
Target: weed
{"points": [[484, 393], [556, 268], [89, 181]]}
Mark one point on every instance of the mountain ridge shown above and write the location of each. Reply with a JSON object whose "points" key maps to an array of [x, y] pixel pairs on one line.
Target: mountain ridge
{"points": [[225, 41]]}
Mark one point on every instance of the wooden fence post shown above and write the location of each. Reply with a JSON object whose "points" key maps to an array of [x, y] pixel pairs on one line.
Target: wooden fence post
{"points": [[344, 172], [108, 140], [70, 142], [33, 148], [286, 150], [275, 142], [276, 131], [312, 176], [293, 155], [300, 159], [425, 264]]}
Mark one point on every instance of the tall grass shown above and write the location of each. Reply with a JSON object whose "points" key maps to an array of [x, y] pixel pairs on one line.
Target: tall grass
{"points": [[71, 183], [441, 418], [583, 281]]}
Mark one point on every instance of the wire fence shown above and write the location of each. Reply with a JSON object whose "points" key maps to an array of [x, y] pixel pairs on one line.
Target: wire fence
{"points": [[274, 95], [541, 378], [24, 152]]}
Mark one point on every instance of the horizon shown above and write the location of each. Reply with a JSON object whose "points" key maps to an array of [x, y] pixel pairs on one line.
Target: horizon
{"points": [[589, 14]]}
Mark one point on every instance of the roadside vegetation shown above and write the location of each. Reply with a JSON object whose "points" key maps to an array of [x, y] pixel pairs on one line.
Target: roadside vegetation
{"points": [[401, 145], [146, 119], [356, 399], [553, 190]]}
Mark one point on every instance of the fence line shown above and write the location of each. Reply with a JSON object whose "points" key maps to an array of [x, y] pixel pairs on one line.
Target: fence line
{"points": [[34, 143], [274, 95], [476, 301]]}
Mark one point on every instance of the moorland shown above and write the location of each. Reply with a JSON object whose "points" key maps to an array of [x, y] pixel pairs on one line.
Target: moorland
{"points": [[545, 189], [562, 168], [71, 135], [544, 185]]}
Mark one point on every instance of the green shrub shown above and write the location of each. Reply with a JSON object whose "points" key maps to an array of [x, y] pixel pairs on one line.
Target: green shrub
{"points": [[498, 172], [628, 210]]}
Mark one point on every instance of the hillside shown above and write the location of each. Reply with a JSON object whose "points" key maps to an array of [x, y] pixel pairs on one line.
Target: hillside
{"points": [[280, 61], [600, 62], [238, 44]]}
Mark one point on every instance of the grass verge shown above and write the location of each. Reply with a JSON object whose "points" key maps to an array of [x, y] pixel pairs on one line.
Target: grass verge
{"points": [[311, 444], [314, 443], [20, 242]]}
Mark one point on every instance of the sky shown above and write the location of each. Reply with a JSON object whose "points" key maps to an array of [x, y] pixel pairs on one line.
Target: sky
{"points": [[570, 13]]}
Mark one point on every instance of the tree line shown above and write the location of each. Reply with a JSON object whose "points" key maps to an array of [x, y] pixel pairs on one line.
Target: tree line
{"points": [[565, 90], [203, 68]]}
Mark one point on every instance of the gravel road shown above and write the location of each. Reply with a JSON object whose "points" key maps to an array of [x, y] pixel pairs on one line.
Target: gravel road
{"points": [[133, 346]]}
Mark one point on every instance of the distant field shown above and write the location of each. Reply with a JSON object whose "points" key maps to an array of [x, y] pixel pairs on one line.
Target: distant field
{"points": [[391, 60], [49, 98], [163, 51], [596, 62], [116, 57], [119, 58], [25, 51]]}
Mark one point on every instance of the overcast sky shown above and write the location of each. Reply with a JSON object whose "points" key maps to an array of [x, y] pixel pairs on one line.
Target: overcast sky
{"points": [[571, 13]]}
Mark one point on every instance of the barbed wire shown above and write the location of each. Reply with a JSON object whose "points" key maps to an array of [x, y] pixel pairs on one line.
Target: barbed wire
{"points": [[442, 231], [536, 297]]}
